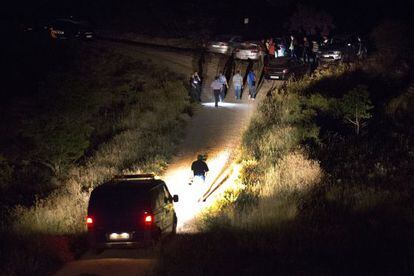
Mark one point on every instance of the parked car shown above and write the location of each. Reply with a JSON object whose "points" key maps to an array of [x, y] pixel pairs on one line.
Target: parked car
{"points": [[224, 44], [71, 29], [130, 211], [249, 50], [284, 67], [342, 48]]}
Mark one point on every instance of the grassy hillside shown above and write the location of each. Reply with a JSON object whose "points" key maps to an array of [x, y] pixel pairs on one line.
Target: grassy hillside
{"points": [[325, 184], [95, 114]]}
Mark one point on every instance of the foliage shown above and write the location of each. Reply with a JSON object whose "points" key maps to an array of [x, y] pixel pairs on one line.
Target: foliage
{"points": [[118, 126], [399, 108], [322, 197], [355, 107], [394, 54], [6, 173], [60, 141]]}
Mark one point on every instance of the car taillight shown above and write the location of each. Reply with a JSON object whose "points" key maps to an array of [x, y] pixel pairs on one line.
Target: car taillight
{"points": [[89, 221]]}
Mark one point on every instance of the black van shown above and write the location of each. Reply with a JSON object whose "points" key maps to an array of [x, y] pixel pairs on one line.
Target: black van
{"points": [[130, 211]]}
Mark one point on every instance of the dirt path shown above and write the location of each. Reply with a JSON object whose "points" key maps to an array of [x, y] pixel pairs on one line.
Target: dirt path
{"points": [[213, 131]]}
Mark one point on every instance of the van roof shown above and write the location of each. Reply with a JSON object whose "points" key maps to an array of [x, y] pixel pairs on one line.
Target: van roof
{"points": [[141, 184]]}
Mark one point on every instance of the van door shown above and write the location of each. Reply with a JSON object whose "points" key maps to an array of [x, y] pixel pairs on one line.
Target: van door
{"points": [[168, 208], [158, 207]]}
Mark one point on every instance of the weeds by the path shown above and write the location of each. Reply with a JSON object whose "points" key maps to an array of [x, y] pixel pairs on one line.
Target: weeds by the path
{"points": [[315, 196]]}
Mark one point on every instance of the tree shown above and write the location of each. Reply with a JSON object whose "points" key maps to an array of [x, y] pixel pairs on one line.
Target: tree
{"points": [[355, 107], [310, 21]]}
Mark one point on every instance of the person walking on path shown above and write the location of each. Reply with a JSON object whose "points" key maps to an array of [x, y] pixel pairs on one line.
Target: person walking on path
{"points": [[199, 167], [292, 46], [195, 87], [216, 86], [251, 81], [224, 87], [238, 84]]}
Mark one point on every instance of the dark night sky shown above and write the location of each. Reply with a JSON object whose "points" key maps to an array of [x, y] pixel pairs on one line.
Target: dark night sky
{"points": [[348, 15]]}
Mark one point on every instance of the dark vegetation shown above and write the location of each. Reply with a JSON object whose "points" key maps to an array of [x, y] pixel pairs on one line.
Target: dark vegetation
{"points": [[79, 103], [75, 113], [319, 197]]}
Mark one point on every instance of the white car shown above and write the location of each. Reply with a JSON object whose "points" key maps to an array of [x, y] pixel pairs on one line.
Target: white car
{"points": [[224, 44], [248, 50]]}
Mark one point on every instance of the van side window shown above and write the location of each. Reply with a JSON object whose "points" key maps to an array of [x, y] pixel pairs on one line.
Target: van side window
{"points": [[167, 194], [155, 198], [158, 197]]}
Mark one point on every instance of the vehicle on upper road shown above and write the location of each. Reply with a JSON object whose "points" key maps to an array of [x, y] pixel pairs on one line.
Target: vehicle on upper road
{"points": [[68, 28], [249, 50], [284, 68], [342, 48], [224, 44], [130, 211]]}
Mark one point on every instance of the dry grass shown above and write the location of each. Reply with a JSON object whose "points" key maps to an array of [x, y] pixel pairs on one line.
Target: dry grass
{"points": [[294, 172], [147, 140]]}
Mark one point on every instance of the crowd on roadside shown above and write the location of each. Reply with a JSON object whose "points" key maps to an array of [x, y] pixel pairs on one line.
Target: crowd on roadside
{"points": [[220, 86], [305, 48]]}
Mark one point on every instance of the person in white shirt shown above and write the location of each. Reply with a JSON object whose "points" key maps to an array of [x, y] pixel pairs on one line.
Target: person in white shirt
{"points": [[238, 84], [216, 86]]}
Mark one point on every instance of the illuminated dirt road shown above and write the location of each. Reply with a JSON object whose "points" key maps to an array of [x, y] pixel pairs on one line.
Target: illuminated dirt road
{"points": [[215, 132]]}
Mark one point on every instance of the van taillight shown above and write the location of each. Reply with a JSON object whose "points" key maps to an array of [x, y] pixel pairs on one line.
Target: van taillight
{"points": [[148, 219], [89, 221]]}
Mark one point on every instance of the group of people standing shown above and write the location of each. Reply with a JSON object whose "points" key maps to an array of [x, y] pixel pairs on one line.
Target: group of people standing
{"points": [[305, 50], [220, 86], [275, 49]]}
